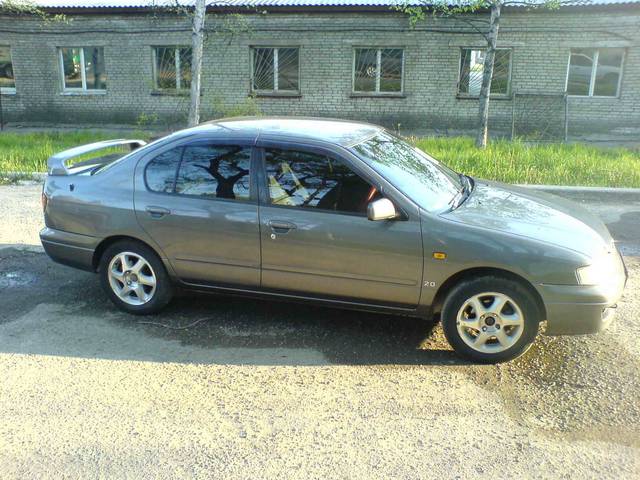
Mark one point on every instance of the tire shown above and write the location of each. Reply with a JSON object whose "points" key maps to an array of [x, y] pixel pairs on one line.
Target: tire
{"points": [[506, 326], [143, 287]]}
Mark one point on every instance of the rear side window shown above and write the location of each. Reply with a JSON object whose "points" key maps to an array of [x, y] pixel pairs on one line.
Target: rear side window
{"points": [[215, 171], [160, 173]]}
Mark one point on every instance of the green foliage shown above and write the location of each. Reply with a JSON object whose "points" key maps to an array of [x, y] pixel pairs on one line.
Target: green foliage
{"points": [[552, 164], [247, 108], [27, 7], [444, 8], [145, 119]]}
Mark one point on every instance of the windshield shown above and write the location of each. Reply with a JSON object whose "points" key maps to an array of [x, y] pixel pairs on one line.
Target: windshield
{"points": [[426, 181]]}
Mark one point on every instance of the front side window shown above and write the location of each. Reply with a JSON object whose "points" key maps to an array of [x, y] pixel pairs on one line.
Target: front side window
{"points": [[311, 180], [215, 171], [83, 68], [472, 71], [7, 82], [378, 70], [420, 177], [172, 68], [595, 72], [276, 69]]}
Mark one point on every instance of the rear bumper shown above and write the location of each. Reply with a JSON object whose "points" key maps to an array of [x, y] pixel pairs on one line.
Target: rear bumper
{"points": [[69, 248], [579, 309]]}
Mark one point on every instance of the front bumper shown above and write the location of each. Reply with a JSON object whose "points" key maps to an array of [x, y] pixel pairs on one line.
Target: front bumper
{"points": [[582, 309], [578, 319], [69, 249]]}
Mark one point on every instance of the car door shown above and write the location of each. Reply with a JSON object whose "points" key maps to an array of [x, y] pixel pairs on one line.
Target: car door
{"points": [[198, 202], [317, 239]]}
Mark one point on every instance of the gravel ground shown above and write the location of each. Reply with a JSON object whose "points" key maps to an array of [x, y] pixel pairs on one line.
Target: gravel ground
{"points": [[272, 390]]}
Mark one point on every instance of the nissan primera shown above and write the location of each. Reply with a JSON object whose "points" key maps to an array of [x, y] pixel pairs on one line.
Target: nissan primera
{"points": [[341, 213]]}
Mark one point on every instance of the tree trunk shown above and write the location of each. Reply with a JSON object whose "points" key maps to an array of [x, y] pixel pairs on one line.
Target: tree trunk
{"points": [[197, 44], [489, 61]]}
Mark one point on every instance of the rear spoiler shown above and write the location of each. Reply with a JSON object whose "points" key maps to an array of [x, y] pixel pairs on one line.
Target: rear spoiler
{"points": [[56, 164]]}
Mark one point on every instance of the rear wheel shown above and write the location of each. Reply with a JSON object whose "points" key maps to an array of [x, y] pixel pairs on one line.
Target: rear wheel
{"points": [[490, 319], [134, 278]]}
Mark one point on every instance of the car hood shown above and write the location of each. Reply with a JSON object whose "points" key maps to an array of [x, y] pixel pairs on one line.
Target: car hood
{"points": [[533, 214]]}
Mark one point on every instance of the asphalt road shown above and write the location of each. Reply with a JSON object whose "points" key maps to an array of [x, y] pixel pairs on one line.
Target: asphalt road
{"points": [[272, 390]]}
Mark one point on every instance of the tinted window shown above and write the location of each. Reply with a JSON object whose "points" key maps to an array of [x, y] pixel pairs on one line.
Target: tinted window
{"points": [[301, 179], [215, 171], [160, 173], [420, 177]]}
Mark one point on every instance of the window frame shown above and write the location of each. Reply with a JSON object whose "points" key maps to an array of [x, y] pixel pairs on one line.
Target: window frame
{"points": [[254, 168], [177, 65], [9, 90], [83, 74], [499, 96], [276, 91], [594, 69], [377, 92]]}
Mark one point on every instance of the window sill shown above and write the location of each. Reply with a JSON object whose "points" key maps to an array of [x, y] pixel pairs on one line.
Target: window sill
{"points": [[171, 93], [277, 94], [82, 93], [7, 91], [377, 95], [601, 97], [461, 96]]}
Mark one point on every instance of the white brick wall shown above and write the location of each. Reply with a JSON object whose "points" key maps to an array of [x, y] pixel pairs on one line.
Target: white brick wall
{"points": [[541, 43]]}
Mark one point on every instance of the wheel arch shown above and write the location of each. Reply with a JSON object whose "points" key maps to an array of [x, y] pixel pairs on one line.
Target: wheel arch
{"points": [[108, 241], [475, 272]]}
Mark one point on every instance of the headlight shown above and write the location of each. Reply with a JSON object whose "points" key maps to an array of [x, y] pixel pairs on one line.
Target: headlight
{"points": [[600, 271]]}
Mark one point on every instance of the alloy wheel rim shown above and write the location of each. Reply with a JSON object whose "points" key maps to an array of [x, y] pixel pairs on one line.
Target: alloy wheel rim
{"points": [[490, 322], [132, 278]]}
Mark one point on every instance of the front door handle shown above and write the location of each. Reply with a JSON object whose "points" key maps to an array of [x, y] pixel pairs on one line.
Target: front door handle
{"points": [[279, 226], [157, 212]]}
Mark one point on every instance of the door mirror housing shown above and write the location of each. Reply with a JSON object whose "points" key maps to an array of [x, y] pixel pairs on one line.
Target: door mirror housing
{"points": [[382, 209]]}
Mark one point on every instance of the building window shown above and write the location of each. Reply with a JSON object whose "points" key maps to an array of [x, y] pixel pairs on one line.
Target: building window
{"points": [[595, 72], [83, 69], [275, 69], [172, 68], [378, 70], [7, 82], [472, 70]]}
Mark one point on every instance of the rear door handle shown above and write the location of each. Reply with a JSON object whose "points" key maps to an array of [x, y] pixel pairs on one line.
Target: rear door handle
{"points": [[157, 212], [279, 226]]}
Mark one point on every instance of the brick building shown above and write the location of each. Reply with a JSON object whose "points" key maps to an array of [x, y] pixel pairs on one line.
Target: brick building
{"points": [[116, 61]]}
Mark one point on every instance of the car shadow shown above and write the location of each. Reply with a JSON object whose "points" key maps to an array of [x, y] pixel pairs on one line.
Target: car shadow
{"points": [[55, 310]]}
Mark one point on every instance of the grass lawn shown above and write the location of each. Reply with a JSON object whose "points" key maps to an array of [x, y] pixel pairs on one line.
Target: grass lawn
{"points": [[28, 152], [512, 162], [551, 164]]}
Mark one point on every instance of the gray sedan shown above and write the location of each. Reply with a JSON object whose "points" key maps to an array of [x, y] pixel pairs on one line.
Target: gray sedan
{"points": [[334, 212]]}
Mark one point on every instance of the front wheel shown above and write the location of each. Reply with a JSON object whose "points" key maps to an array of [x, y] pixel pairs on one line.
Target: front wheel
{"points": [[134, 278], [490, 319]]}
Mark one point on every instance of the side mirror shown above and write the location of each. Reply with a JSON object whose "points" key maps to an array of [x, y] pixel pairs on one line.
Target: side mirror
{"points": [[382, 209]]}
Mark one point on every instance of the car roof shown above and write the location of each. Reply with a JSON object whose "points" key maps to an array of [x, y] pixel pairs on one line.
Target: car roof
{"points": [[342, 132]]}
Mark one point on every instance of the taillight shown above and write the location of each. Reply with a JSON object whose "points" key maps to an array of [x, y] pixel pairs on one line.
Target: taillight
{"points": [[45, 200]]}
